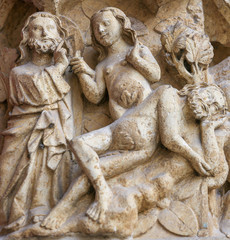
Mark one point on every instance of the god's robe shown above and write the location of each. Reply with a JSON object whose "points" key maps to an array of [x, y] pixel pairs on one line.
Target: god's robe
{"points": [[39, 126]]}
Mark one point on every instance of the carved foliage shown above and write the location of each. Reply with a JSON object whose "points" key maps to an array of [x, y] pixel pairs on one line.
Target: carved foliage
{"points": [[188, 50], [179, 219]]}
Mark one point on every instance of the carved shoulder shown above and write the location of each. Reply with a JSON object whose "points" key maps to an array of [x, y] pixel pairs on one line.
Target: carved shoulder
{"points": [[168, 95], [19, 70]]}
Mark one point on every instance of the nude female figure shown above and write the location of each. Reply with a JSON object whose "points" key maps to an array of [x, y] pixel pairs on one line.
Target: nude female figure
{"points": [[132, 140], [126, 68]]}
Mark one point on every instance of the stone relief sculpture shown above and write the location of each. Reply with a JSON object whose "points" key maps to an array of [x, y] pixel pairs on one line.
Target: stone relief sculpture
{"points": [[132, 140], [126, 68], [159, 168], [190, 51], [129, 145], [39, 124]]}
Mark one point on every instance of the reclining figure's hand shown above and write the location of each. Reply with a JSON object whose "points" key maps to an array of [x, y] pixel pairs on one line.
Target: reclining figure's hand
{"points": [[201, 166]]}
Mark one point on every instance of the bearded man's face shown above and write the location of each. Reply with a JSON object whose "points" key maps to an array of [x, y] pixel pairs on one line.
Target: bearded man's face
{"points": [[43, 35], [43, 46]]}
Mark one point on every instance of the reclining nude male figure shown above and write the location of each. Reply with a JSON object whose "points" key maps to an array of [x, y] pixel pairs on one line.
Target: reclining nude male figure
{"points": [[133, 139]]}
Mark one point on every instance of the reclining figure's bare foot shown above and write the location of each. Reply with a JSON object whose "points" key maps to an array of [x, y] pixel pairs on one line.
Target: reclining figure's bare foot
{"points": [[32, 230], [56, 217], [98, 208], [67, 204]]}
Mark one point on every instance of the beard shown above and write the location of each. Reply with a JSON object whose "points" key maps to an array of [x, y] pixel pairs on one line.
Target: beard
{"points": [[47, 45]]}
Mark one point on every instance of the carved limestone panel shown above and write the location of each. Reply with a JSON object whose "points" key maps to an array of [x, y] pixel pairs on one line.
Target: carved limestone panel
{"points": [[114, 119]]}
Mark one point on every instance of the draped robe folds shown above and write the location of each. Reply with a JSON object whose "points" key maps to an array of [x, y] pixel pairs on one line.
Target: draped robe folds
{"points": [[40, 124]]}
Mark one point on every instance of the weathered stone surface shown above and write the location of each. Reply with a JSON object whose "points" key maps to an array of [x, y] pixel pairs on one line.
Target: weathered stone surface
{"points": [[117, 117]]}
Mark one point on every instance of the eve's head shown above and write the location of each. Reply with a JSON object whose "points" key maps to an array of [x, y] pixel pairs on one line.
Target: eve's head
{"points": [[109, 25]]}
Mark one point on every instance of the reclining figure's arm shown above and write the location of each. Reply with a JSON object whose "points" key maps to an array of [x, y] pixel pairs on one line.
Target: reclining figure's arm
{"points": [[170, 123]]}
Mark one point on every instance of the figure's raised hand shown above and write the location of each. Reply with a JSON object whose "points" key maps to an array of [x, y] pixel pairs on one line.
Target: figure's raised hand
{"points": [[79, 65], [134, 53], [60, 57]]}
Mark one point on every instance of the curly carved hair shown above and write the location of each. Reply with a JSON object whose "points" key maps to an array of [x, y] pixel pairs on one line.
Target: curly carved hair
{"points": [[216, 97], [128, 34], [23, 46]]}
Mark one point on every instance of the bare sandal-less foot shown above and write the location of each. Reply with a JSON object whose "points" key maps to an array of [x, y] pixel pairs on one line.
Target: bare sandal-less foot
{"points": [[98, 208], [30, 231], [55, 219], [20, 222]]}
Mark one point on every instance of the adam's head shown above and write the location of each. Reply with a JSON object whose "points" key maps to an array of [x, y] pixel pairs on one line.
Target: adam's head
{"points": [[107, 26], [205, 100], [42, 32]]}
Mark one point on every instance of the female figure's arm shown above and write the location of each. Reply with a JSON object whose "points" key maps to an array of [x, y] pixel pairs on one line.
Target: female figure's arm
{"points": [[92, 82], [143, 61]]}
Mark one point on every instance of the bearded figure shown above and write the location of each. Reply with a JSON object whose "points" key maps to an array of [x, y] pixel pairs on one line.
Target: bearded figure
{"points": [[39, 124]]}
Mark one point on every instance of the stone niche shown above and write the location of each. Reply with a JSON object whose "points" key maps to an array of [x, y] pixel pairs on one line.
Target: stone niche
{"points": [[114, 119]]}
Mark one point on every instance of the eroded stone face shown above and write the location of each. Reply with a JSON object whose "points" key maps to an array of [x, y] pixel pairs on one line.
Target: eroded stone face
{"points": [[42, 28], [106, 28], [43, 35], [120, 146]]}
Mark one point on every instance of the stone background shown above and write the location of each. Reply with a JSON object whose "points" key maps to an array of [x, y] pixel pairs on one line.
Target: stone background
{"points": [[149, 18]]}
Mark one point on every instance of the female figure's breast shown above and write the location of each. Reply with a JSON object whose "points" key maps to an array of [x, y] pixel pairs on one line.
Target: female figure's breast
{"points": [[126, 86]]}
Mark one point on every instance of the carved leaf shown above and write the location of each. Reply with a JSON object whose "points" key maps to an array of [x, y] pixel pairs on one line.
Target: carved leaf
{"points": [[178, 29], [191, 50], [167, 41], [180, 43], [170, 37], [206, 52], [179, 219], [199, 50]]}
